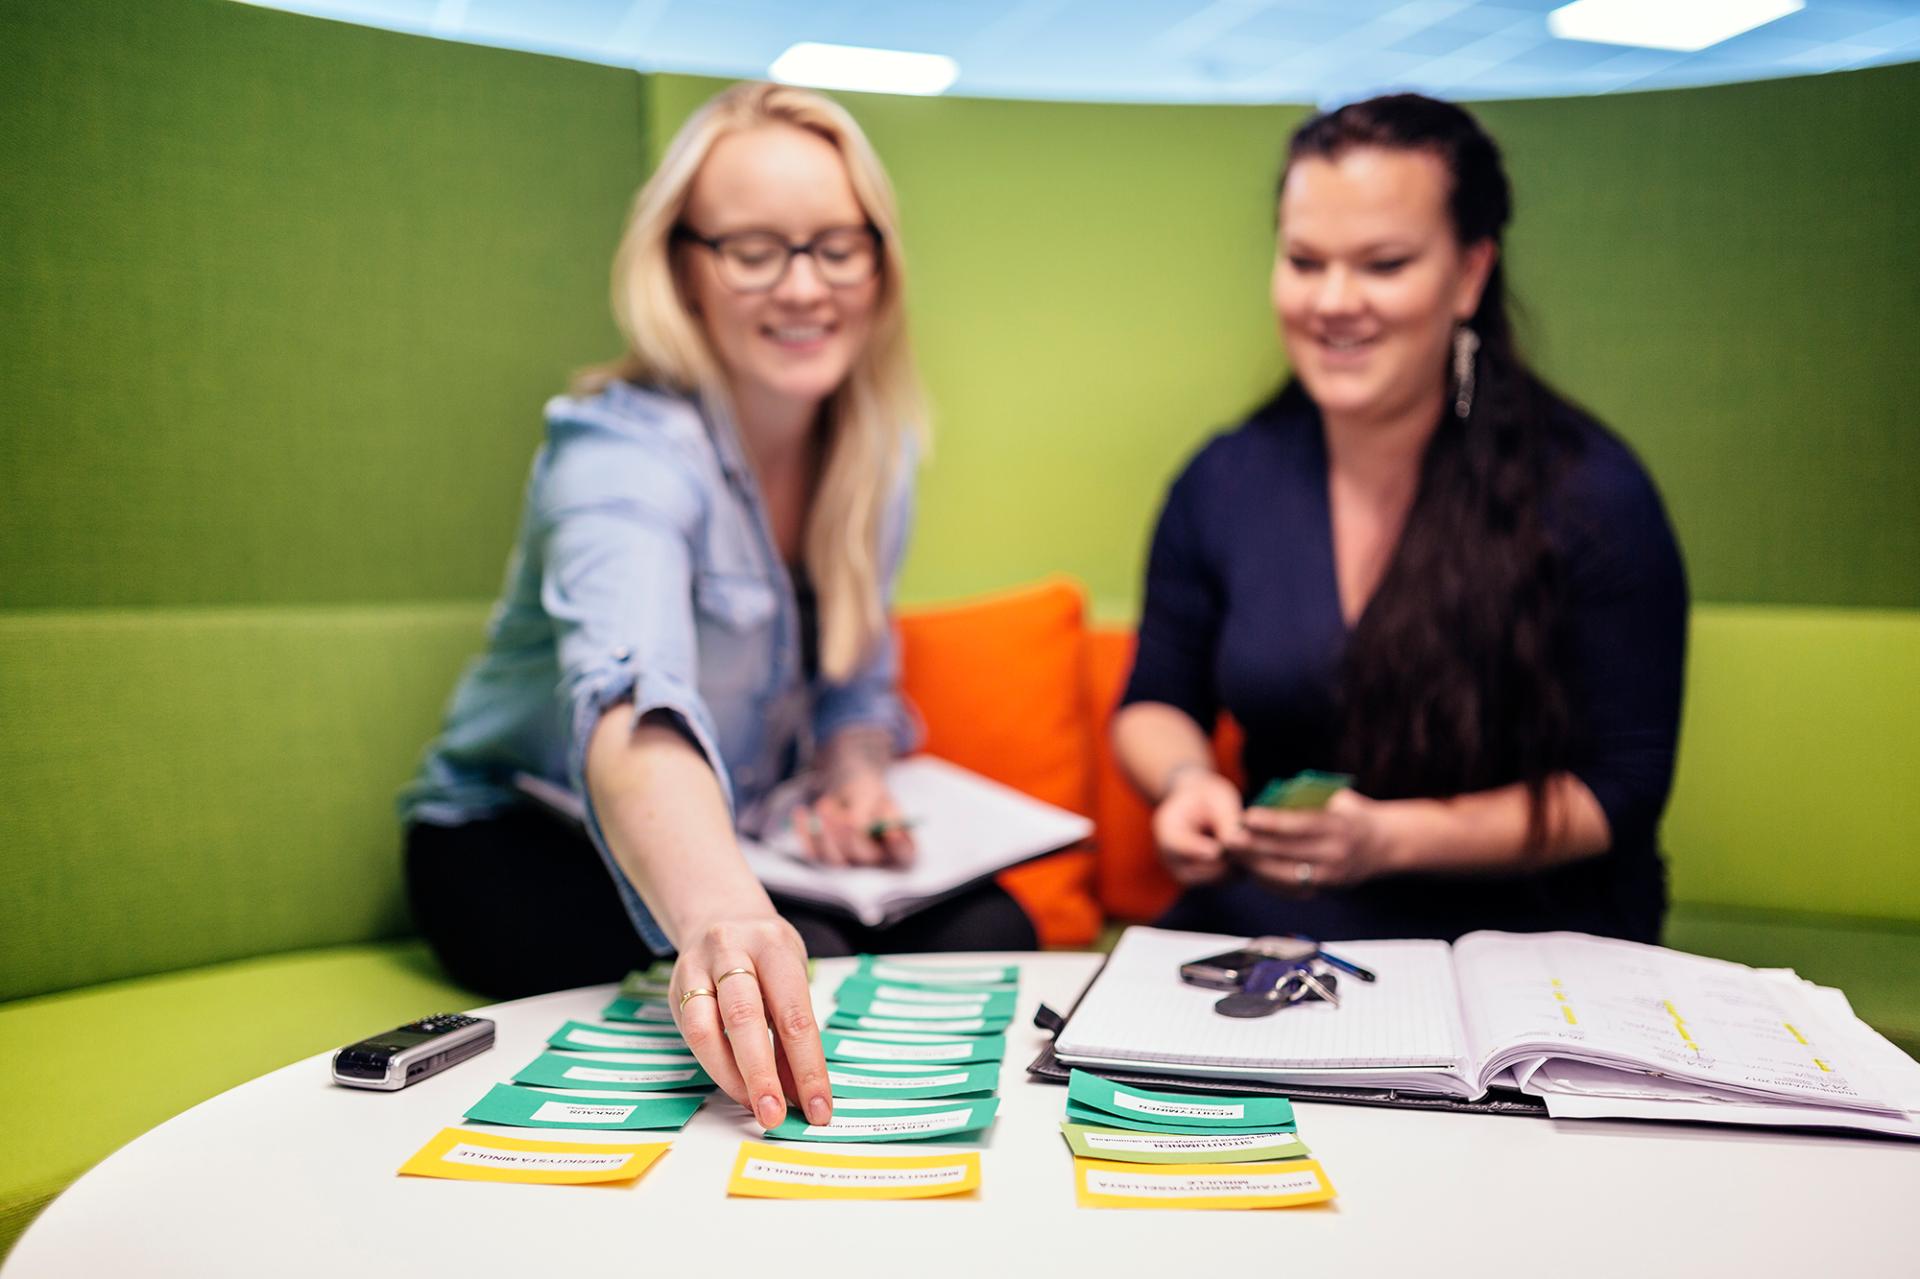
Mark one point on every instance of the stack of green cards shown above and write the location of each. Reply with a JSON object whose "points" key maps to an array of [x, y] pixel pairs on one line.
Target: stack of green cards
{"points": [[913, 1052], [1119, 1122]]}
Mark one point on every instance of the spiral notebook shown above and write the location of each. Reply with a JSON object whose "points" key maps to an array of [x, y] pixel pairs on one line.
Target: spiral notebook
{"points": [[1591, 1026]]}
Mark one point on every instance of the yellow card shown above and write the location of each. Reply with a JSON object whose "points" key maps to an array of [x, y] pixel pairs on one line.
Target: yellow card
{"points": [[765, 1171], [1101, 1183], [465, 1155]]}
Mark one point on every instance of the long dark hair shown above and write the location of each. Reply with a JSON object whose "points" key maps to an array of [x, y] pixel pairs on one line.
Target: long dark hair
{"points": [[1450, 679]]}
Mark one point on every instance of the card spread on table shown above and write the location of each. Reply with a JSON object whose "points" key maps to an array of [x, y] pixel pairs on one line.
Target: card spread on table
{"points": [[1182, 1148], [859, 985], [935, 975], [886, 1001], [893, 1123], [841, 1046], [773, 1172], [1184, 1110], [648, 983], [640, 1072], [634, 1037], [463, 1155], [642, 1010], [517, 1107], [946, 1024], [848, 1080], [1076, 1113], [1100, 1183]]}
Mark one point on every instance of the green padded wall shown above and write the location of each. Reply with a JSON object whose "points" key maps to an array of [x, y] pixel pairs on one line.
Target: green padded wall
{"points": [[1088, 296], [1798, 758], [1731, 278], [281, 298], [208, 784]]}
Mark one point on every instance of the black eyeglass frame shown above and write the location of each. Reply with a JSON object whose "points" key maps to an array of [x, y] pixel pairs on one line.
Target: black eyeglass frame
{"points": [[717, 245]]}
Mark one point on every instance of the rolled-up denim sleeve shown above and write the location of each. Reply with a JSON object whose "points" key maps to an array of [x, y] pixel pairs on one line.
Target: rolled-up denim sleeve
{"points": [[617, 521], [870, 696]]}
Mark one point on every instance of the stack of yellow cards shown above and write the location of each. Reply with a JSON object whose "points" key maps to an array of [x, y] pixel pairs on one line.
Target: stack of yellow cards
{"points": [[1135, 1148]]}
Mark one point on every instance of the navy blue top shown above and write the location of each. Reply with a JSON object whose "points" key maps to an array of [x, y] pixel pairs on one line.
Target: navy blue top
{"points": [[1242, 613]]}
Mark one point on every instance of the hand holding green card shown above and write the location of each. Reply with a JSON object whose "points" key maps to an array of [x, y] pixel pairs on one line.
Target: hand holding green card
{"points": [[1308, 790]]}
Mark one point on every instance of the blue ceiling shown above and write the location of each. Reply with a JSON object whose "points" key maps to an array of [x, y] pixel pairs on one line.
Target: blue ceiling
{"points": [[1317, 51]]}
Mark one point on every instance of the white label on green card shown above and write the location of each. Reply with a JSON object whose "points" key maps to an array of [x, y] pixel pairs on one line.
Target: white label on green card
{"points": [[902, 1052], [887, 1008], [1169, 1143], [529, 1161], [594, 1074], [906, 996], [1199, 1185], [561, 1112], [613, 1039], [1182, 1109], [808, 1175], [954, 1026], [863, 1080], [944, 1121], [898, 972]]}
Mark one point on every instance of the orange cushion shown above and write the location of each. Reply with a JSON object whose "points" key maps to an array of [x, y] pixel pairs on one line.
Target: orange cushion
{"points": [[1000, 681], [1129, 880]]}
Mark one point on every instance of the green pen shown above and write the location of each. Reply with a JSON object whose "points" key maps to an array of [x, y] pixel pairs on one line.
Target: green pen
{"points": [[889, 825]]}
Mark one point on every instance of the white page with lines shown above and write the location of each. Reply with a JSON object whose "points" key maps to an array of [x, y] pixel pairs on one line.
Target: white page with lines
{"points": [[1641, 1009], [1396, 1031]]}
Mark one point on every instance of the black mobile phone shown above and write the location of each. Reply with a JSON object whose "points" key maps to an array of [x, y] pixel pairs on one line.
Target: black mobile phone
{"points": [[1228, 971], [407, 1054]]}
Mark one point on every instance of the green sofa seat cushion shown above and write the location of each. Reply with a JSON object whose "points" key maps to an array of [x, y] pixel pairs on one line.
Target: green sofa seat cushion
{"points": [[86, 1071]]}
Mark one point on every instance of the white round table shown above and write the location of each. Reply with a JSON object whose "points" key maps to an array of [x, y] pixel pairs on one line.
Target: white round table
{"points": [[290, 1175]]}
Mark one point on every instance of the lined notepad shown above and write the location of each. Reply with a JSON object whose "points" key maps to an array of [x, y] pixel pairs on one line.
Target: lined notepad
{"points": [[1140, 1011]]}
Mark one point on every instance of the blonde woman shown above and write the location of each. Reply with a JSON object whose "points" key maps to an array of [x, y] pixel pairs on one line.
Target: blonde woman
{"points": [[696, 612]]}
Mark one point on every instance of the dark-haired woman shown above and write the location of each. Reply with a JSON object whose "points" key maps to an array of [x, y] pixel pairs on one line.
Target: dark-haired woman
{"points": [[1417, 565]]}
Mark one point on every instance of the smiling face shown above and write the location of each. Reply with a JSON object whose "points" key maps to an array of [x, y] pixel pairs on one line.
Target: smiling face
{"points": [[1369, 281], [784, 350]]}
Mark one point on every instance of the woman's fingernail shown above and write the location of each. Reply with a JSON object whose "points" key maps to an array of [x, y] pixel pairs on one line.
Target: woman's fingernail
{"points": [[770, 1110], [817, 1111]]}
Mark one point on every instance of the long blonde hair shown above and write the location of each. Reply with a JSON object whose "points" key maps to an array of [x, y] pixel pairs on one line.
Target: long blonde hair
{"points": [[868, 417]]}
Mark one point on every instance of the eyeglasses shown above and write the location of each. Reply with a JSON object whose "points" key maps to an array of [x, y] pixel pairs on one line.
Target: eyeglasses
{"points": [[756, 261]]}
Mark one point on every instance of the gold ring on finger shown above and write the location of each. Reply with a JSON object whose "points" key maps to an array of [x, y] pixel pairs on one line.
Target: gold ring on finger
{"points": [[734, 972], [694, 994]]}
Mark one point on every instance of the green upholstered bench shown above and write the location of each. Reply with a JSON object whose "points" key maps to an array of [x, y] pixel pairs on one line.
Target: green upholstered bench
{"points": [[202, 870]]}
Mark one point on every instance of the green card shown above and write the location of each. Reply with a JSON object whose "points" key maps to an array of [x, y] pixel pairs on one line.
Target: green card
{"points": [[640, 1010], [1182, 1148], [1182, 1109], [844, 1020], [648, 983], [1307, 790], [623, 1072], [939, 1050], [906, 972], [638, 1037], [1079, 1114], [908, 1003], [941, 1120], [848, 1080], [531, 1108]]}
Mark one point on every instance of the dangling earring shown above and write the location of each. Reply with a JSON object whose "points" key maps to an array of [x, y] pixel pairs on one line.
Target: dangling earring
{"points": [[1466, 345]]}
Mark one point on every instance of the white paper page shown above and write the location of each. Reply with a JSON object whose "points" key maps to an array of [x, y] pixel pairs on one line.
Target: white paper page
{"points": [[968, 828], [1566, 1106], [1621, 1003], [1139, 1011]]}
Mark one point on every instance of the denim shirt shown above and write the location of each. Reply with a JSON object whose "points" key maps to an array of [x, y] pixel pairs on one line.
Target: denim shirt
{"points": [[645, 572]]}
